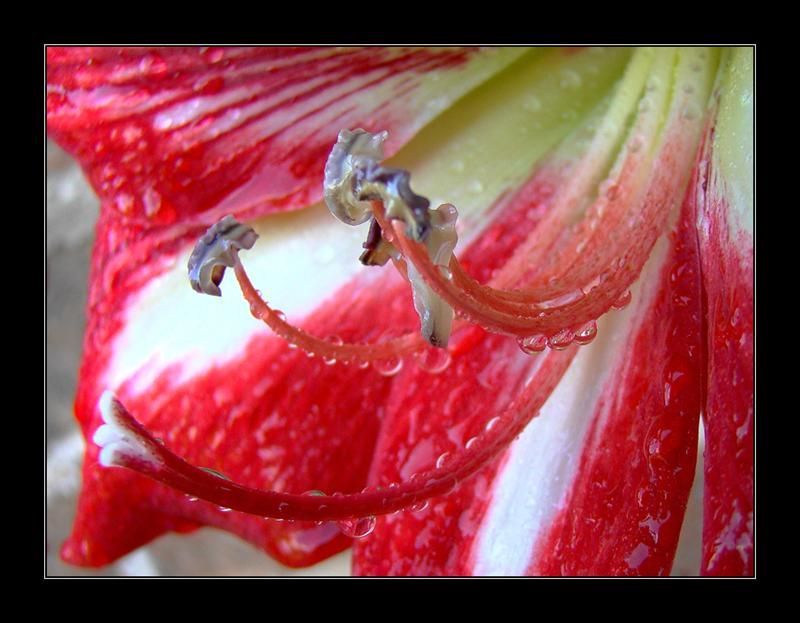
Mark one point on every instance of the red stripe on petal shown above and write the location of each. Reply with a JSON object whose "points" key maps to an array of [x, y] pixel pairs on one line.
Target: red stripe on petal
{"points": [[432, 417], [272, 418], [728, 278], [625, 511], [166, 135]]}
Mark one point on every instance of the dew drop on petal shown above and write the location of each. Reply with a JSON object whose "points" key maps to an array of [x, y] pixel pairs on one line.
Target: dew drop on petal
{"points": [[433, 360], [471, 443], [419, 506], [315, 492], [561, 340], [475, 186], [570, 79], [443, 458], [358, 528], [586, 333], [388, 367], [623, 301], [533, 344], [492, 423], [337, 341], [531, 103]]}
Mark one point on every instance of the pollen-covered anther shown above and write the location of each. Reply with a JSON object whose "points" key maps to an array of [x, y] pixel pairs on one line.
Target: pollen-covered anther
{"points": [[354, 178], [215, 251], [119, 443]]}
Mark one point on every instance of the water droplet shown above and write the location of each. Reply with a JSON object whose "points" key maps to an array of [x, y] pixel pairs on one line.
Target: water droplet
{"points": [[419, 506], [358, 528], [363, 365], [281, 315], [570, 79], [224, 509], [448, 212], [283, 507], [612, 191], [315, 492], [214, 472], [388, 367], [336, 341], [531, 103], [736, 317], [623, 301], [471, 443], [433, 360], [492, 423], [255, 311], [445, 272], [533, 344], [586, 333], [191, 498], [561, 340], [292, 345], [443, 458]]}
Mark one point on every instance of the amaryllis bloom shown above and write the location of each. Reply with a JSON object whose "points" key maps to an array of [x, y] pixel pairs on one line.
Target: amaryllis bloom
{"points": [[556, 294]]}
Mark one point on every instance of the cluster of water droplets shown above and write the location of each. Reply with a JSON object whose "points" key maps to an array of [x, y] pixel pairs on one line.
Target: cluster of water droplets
{"points": [[582, 334]]}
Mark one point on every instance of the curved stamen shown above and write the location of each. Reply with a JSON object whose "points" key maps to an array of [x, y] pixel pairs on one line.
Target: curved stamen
{"points": [[353, 178], [144, 454], [480, 310], [347, 352], [219, 248]]}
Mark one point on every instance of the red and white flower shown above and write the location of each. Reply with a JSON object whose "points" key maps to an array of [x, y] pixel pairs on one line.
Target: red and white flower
{"points": [[556, 434]]}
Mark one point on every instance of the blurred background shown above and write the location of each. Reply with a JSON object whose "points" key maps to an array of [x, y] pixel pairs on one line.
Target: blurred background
{"points": [[71, 213]]}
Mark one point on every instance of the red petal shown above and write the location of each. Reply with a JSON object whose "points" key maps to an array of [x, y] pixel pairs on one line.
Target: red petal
{"points": [[614, 508], [626, 507], [269, 416], [429, 417], [725, 221], [166, 135]]}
